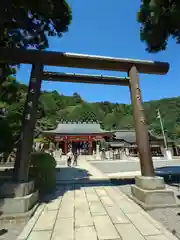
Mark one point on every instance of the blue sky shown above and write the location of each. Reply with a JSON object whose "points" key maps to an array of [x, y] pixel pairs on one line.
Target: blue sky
{"points": [[109, 28]]}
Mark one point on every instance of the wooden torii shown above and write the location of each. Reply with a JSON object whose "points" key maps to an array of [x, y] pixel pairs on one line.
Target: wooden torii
{"points": [[40, 58]]}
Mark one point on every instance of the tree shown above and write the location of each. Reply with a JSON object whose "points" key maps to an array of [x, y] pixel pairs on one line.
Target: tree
{"points": [[83, 113], [77, 98], [48, 104], [6, 139], [27, 23], [112, 121], [12, 102], [160, 19], [9, 90], [178, 131]]}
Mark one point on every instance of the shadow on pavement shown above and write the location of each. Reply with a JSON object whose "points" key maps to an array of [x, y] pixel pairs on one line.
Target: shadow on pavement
{"points": [[171, 174], [61, 189], [66, 172], [71, 173], [74, 178]]}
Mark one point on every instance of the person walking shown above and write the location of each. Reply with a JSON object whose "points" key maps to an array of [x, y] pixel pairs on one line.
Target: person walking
{"points": [[60, 153], [69, 158], [75, 159]]}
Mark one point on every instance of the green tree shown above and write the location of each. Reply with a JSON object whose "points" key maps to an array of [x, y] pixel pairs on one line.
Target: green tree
{"points": [[112, 121], [48, 104], [160, 19], [178, 131], [9, 90], [77, 98], [28, 23], [127, 122], [83, 113], [12, 101], [6, 139]]}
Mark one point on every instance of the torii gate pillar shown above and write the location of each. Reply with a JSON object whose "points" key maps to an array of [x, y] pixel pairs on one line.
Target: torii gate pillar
{"points": [[142, 135], [21, 168]]}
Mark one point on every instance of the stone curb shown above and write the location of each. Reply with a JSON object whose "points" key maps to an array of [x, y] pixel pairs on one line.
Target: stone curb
{"points": [[19, 216], [29, 226]]}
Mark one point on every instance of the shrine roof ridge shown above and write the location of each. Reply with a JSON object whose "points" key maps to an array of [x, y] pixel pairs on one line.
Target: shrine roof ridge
{"points": [[129, 135], [78, 128], [77, 122]]}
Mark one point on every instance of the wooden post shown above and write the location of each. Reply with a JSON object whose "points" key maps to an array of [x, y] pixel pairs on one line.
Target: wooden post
{"points": [[65, 146], [21, 167], [90, 147], [142, 134]]}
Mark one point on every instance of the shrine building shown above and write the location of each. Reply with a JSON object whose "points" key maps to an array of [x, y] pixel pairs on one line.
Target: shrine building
{"points": [[82, 136], [126, 139]]}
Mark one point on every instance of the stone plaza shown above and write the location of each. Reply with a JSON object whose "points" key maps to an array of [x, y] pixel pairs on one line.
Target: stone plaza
{"points": [[87, 206]]}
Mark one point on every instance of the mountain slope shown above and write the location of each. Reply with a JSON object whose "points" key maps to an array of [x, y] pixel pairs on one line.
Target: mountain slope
{"points": [[54, 107]]}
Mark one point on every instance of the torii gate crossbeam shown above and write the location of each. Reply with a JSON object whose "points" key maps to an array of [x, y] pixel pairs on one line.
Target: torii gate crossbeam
{"points": [[85, 78]]}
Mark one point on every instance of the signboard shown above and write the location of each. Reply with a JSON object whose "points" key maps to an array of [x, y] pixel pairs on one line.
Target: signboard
{"points": [[97, 138], [77, 138], [59, 138]]}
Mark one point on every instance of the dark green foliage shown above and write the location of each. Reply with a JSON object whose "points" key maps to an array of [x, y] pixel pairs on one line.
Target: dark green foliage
{"points": [[24, 23], [27, 23], [160, 19], [83, 113], [77, 98], [103, 145], [43, 171], [48, 104], [6, 139], [8, 92]]}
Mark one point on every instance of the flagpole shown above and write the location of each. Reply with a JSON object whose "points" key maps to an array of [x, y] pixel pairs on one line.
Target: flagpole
{"points": [[162, 128]]}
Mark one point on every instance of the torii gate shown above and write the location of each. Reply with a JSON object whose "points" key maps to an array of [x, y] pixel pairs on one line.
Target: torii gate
{"points": [[40, 58]]}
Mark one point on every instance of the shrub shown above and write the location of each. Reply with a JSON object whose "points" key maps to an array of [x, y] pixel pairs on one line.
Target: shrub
{"points": [[43, 171]]}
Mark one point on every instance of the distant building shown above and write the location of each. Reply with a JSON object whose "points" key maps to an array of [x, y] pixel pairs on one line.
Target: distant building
{"points": [[126, 139], [84, 136]]}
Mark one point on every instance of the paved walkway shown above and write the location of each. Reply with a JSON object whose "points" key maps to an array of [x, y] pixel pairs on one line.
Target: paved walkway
{"points": [[84, 171], [91, 212]]}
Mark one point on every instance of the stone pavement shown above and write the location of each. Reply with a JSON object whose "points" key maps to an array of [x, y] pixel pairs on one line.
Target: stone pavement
{"points": [[91, 212]]}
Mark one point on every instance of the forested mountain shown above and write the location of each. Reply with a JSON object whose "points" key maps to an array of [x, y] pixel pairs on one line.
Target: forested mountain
{"points": [[54, 107]]}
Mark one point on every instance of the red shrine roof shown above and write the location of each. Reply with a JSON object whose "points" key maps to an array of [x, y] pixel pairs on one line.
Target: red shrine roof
{"points": [[75, 129]]}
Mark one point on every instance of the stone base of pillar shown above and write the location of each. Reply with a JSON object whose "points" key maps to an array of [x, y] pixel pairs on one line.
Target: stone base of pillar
{"points": [[17, 198], [150, 192]]}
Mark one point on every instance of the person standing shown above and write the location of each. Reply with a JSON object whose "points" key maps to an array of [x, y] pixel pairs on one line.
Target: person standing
{"points": [[103, 154], [69, 157], [75, 159], [60, 153]]}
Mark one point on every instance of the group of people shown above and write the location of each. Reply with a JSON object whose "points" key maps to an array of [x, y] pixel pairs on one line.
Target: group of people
{"points": [[72, 157]]}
